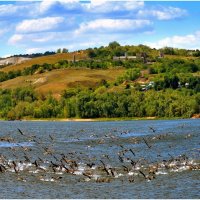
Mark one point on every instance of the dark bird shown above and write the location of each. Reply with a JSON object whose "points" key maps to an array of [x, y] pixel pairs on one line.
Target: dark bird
{"points": [[62, 165], [132, 151], [2, 168], [90, 165], [54, 164], [14, 163], [20, 131], [16, 170], [104, 168], [40, 159], [131, 179], [149, 146], [56, 158], [142, 174], [48, 150], [125, 168], [34, 140], [133, 163], [154, 130], [120, 159], [51, 137], [102, 163], [73, 164], [57, 178], [26, 158], [87, 175], [125, 132], [15, 167], [112, 172], [148, 177], [15, 156], [36, 164]]}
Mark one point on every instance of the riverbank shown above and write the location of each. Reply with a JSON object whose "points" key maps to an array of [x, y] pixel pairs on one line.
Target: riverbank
{"points": [[101, 119]]}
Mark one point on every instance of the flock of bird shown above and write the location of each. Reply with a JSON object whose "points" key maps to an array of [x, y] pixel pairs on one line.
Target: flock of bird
{"points": [[52, 166]]}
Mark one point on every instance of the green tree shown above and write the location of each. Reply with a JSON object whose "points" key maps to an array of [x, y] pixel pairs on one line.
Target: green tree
{"points": [[113, 45], [64, 50], [59, 50]]}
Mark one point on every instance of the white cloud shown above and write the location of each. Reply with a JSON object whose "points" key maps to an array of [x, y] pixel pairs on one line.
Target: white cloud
{"points": [[7, 9], [16, 38], [33, 38], [17, 9], [46, 5], [39, 39], [43, 39], [190, 41], [105, 6], [163, 13], [97, 2], [93, 6], [113, 25], [132, 5], [38, 25]]}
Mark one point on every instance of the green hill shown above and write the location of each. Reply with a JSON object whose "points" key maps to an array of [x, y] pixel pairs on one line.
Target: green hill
{"points": [[105, 82], [51, 59], [58, 80]]}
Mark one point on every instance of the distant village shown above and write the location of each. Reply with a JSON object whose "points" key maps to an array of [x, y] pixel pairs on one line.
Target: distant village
{"points": [[138, 56]]}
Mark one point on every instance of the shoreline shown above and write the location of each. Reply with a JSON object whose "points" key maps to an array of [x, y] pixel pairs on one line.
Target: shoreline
{"points": [[99, 119]]}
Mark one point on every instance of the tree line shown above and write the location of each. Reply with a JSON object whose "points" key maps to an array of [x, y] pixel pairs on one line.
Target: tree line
{"points": [[100, 102]]}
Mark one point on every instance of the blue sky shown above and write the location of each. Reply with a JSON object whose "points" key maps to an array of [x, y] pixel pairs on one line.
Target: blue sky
{"points": [[39, 26]]}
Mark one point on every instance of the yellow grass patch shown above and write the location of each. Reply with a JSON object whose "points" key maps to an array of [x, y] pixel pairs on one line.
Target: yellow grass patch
{"points": [[58, 80], [181, 57], [51, 59]]}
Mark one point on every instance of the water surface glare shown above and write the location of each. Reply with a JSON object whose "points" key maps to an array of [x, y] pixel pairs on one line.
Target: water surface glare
{"points": [[124, 159]]}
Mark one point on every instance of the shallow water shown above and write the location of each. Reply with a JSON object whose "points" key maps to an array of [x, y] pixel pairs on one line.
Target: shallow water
{"points": [[94, 160]]}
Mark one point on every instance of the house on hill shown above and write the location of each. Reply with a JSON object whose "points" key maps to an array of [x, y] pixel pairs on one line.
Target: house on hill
{"points": [[124, 57]]}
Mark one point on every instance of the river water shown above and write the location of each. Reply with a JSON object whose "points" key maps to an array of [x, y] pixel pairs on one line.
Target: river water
{"points": [[124, 159]]}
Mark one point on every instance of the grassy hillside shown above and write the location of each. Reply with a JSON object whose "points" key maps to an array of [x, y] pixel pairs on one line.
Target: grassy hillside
{"points": [[57, 80], [51, 59]]}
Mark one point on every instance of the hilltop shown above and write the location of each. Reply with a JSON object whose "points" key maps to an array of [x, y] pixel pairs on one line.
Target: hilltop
{"points": [[50, 59], [12, 61]]}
